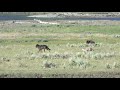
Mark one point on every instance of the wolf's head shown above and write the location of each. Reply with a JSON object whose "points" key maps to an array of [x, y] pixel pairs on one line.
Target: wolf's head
{"points": [[37, 45]]}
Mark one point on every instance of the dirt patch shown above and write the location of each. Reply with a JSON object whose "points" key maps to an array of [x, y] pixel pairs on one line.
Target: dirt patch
{"points": [[9, 35]]}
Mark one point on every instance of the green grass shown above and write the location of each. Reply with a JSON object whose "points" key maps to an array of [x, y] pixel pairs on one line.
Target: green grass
{"points": [[19, 55]]}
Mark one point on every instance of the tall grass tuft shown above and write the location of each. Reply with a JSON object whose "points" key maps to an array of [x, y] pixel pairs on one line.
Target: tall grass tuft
{"points": [[116, 65], [79, 63], [48, 64], [93, 55], [108, 66]]}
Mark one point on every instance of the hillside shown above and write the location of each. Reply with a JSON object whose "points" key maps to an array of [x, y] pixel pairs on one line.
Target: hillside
{"points": [[66, 14]]}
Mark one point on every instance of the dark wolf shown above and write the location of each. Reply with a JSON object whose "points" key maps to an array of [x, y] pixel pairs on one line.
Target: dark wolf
{"points": [[90, 42], [40, 47]]}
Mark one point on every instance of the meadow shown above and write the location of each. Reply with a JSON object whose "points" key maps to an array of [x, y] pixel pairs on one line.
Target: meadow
{"points": [[20, 58]]}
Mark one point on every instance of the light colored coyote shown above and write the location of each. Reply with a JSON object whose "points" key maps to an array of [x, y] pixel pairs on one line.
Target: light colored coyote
{"points": [[87, 49]]}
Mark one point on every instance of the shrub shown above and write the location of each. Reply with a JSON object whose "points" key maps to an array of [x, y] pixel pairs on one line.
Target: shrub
{"points": [[4, 59], [34, 25], [47, 64], [23, 65], [79, 62], [116, 65], [93, 55], [108, 66]]}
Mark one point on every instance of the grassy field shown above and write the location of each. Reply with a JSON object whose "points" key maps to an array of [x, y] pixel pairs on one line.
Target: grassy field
{"points": [[20, 58]]}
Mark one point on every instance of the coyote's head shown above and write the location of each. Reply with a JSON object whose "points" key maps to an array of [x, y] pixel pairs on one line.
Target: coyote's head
{"points": [[37, 45]]}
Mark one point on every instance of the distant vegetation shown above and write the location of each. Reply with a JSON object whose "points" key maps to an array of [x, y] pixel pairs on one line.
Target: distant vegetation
{"points": [[63, 13]]}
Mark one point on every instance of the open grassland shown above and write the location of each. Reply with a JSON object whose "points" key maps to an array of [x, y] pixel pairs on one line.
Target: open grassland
{"points": [[20, 58]]}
